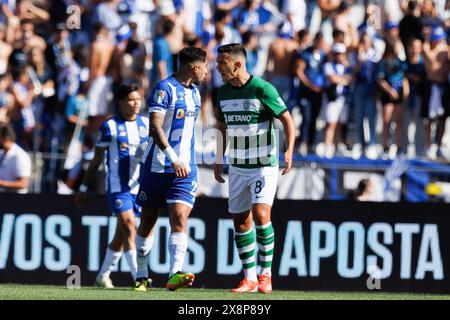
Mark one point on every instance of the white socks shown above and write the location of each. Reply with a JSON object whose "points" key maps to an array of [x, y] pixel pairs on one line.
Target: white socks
{"points": [[143, 247], [131, 258], [111, 259], [177, 251]]}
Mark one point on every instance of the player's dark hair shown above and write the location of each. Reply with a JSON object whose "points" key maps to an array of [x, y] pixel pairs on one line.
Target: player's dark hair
{"points": [[7, 132], [189, 55], [125, 89], [234, 49]]}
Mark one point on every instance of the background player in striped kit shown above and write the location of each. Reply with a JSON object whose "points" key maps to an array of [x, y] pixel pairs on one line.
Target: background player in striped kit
{"points": [[247, 106], [169, 175], [123, 138]]}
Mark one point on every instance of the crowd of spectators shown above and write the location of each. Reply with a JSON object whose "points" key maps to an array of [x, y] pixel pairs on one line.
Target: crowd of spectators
{"points": [[345, 66]]}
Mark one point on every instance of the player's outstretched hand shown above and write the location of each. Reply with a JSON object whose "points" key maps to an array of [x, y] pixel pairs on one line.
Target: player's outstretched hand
{"points": [[288, 160], [180, 170], [80, 199], [218, 169]]}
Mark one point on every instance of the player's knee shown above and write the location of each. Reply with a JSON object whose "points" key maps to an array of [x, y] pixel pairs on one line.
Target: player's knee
{"points": [[144, 228], [242, 224], [178, 221], [261, 216], [129, 230]]}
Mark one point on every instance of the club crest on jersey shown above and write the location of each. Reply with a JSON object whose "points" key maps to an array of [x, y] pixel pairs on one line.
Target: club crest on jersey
{"points": [[246, 105], [180, 95], [118, 203], [180, 114], [142, 132], [123, 146], [159, 96], [121, 128]]}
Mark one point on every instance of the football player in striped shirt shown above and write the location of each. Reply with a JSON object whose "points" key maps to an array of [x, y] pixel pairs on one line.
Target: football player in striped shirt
{"points": [[169, 173], [122, 139], [247, 106]]}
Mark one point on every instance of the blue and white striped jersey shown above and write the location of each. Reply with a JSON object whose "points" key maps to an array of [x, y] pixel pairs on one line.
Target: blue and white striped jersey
{"points": [[124, 141], [181, 106]]}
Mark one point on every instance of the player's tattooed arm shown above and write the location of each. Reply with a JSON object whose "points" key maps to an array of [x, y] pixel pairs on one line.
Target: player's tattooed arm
{"points": [[157, 133], [221, 145], [95, 163]]}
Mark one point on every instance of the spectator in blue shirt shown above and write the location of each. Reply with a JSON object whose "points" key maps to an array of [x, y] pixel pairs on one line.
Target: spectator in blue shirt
{"points": [[250, 42], [162, 56], [364, 91], [418, 82], [309, 70]]}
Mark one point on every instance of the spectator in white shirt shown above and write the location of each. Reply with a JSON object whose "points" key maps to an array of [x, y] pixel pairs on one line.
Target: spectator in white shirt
{"points": [[295, 11], [15, 163]]}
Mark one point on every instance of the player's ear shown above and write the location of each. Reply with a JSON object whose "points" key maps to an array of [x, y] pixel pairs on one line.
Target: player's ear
{"points": [[237, 65], [195, 69]]}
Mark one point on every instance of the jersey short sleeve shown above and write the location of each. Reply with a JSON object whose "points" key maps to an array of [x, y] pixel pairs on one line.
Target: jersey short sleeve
{"points": [[104, 136], [273, 102], [159, 99], [161, 51]]}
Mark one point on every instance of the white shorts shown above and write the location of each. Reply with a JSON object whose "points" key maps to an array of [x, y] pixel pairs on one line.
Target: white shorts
{"points": [[246, 190], [98, 96], [337, 111]]}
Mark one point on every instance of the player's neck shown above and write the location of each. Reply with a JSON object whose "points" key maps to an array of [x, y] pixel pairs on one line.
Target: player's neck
{"points": [[183, 78], [128, 117], [241, 80]]}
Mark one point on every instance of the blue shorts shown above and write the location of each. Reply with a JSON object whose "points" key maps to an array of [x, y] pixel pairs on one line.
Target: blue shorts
{"points": [[159, 189], [123, 201]]}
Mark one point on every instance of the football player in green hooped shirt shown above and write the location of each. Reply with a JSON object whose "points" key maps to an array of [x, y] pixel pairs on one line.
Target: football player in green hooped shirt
{"points": [[247, 106]]}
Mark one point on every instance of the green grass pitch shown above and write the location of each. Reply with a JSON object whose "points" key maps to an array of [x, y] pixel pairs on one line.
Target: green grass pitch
{"points": [[45, 292]]}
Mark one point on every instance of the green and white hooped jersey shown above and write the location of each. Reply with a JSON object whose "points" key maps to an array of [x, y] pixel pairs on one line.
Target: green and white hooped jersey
{"points": [[249, 112]]}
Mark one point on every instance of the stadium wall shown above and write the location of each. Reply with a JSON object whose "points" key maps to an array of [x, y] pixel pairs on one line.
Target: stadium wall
{"points": [[343, 246]]}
